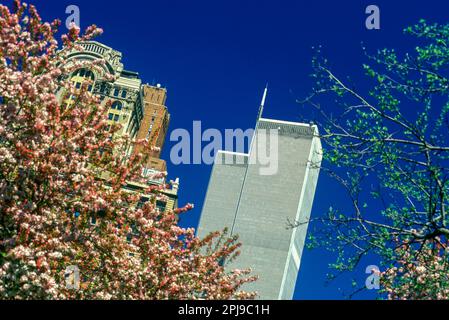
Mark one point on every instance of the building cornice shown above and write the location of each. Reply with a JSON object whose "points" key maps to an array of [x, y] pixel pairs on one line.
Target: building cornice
{"points": [[288, 128]]}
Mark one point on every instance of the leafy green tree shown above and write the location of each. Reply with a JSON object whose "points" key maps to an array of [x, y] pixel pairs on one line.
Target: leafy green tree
{"points": [[389, 148]]}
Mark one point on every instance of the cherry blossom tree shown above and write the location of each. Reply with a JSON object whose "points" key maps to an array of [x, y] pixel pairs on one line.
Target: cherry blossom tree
{"points": [[422, 273], [61, 170]]}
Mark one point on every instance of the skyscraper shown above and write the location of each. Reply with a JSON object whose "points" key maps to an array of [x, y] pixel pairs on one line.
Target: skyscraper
{"points": [[154, 125], [257, 207]]}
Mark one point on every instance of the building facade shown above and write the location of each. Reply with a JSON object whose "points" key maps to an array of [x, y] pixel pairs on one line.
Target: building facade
{"points": [[258, 207], [124, 94], [154, 125], [139, 109]]}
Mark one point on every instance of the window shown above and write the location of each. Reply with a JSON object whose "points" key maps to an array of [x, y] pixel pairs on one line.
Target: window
{"points": [[149, 132], [110, 116], [116, 92], [141, 202], [84, 73], [81, 76], [161, 206], [124, 93], [117, 105], [116, 117]]}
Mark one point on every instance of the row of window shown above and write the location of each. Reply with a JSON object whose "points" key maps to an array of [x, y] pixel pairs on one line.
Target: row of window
{"points": [[84, 73], [160, 205], [78, 86], [87, 74], [116, 92], [113, 117]]}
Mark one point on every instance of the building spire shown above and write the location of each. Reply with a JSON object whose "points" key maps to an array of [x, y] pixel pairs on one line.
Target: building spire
{"points": [[262, 104]]}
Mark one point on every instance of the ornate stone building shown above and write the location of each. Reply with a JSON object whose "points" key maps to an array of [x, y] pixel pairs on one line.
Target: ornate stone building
{"points": [[140, 109], [124, 94]]}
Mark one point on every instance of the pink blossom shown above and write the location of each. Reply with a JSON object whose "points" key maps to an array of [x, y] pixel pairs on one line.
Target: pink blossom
{"points": [[53, 184]]}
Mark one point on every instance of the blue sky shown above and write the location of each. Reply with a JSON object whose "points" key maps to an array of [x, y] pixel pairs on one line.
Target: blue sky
{"points": [[214, 57]]}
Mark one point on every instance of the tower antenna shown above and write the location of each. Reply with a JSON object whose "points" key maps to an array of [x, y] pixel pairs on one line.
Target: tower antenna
{"points": [[262, 104]]}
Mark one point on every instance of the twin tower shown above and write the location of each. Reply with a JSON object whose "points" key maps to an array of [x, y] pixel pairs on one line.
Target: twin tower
{"points": [[257, 207]]}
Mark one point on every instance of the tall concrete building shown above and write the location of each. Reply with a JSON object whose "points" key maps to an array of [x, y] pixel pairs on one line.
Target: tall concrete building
{"points": [[257, 207]]}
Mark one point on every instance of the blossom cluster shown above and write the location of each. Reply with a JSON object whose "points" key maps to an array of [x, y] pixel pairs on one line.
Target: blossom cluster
{"points": [[421, 273]]}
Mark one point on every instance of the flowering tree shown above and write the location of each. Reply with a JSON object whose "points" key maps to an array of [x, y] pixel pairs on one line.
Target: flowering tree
{"points": [[61, 170], [419, 274], [388, 146]]}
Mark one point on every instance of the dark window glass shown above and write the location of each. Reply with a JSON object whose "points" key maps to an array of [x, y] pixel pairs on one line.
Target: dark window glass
{"points": [[117, 105], [161, 206]]}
